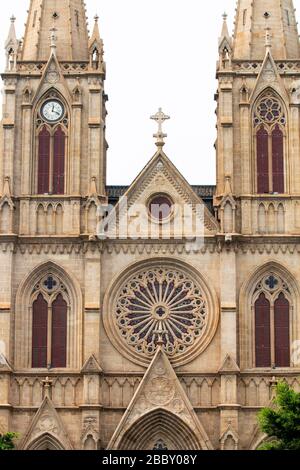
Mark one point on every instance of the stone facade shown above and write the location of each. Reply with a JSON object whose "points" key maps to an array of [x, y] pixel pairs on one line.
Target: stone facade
{"points": [[160, 330]]}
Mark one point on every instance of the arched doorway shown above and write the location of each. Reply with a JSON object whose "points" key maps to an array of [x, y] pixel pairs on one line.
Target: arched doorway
{"points": [[45, 442], [160, 429]]}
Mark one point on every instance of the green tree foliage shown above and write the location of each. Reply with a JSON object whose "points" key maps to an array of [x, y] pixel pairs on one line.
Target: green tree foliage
{"points": [[7, 441], [282, 422]]}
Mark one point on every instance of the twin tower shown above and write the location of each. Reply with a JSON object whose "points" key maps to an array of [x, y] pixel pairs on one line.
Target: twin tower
{"points": [[53, 167]]}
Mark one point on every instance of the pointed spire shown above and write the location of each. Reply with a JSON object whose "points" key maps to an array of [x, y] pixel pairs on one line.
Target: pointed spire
{"points": [[251, 38], [225, 44], [68, 17], [96, 47], [12, 37], [96, 33], [11, 46], [225, 32]]}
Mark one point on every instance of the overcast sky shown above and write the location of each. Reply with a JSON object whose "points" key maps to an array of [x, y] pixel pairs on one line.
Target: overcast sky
{"points": [[159, 53]]}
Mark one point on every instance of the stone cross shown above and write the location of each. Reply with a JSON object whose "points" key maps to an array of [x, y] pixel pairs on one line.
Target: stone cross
{"points": [[160, 117]]}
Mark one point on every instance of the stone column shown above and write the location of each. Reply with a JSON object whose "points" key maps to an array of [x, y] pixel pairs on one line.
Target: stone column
{"points": [[293, 147], [229, 370], [8, 123], [28, 166], [75, 150], [225, 133], [96, 134]]}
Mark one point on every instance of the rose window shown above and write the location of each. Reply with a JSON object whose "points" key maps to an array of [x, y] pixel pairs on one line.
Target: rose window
{"points": [[269, 111], [160, 306]]}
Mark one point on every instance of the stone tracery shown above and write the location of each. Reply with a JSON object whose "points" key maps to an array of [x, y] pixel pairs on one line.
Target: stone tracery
{"points": [[161, 303]]}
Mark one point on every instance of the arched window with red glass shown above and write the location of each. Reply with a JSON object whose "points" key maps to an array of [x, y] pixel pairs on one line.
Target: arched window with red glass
{"points": [[52, 146], [50, 324], [272, 315], [269, 136]]}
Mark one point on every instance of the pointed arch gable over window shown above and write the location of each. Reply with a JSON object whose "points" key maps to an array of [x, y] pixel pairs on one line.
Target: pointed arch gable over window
{"points": [[64, 317], [269, 123], [270, 297]]}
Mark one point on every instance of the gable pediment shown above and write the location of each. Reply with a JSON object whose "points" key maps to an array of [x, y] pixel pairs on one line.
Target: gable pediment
{"points": [[46, 422], [160, 177], [52, 78], [160, 389], [269, 78]]}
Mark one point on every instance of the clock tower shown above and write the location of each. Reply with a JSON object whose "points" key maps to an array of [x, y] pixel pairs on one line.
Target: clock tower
{"points": [[53, 171]]}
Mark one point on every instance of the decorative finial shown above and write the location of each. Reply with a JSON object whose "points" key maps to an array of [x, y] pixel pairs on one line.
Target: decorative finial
{"points": [[268, 43], [224, 16], [53, 39], [13, 18], [96, 18], [160, 331], [47, 385], [160, 117]]}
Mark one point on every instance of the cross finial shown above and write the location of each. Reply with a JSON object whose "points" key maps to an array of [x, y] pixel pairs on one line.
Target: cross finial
{"points": [[13, 18], [53, 39], [160, 117], [224, 16], [96, 18]]}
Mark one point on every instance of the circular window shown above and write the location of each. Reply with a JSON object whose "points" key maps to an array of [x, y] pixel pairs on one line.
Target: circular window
{"points": [[269, 111], [161, 304], [160, 207]]}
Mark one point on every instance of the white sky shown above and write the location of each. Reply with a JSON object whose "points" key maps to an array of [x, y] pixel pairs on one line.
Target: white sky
{"points": [[159, 53]]}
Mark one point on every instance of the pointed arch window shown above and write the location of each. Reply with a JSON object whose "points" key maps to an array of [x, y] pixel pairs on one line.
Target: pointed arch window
{"points": [[269, 132], [49, 324], [272, 322], [51, 160]]}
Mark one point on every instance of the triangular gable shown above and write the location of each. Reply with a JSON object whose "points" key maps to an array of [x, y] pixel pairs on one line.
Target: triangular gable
{"points": [[4, 364], [160, 389], [91, 366], [160, 176], [229, 366], [52, 77], [268, 78], [46, 422]]}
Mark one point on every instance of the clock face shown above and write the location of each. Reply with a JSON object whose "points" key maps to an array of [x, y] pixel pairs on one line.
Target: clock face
{"points": [[52, 110]]}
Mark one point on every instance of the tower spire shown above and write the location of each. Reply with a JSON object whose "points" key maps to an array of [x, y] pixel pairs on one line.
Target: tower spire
{"points": [[252, 19], [11, 45], [96, 47], [68, 17], [225, 32]]}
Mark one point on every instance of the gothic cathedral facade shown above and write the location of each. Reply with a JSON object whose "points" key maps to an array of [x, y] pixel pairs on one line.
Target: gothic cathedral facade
{"points": [[148, 342]]}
